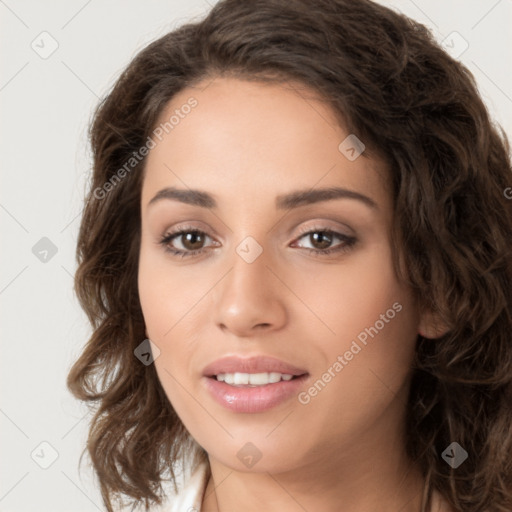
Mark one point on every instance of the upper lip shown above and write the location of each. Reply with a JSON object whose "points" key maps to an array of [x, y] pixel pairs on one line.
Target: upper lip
{"points": [[257, 364]]}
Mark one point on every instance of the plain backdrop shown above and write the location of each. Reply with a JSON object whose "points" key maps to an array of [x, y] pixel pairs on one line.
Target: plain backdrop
{"points": [[58, 58]]}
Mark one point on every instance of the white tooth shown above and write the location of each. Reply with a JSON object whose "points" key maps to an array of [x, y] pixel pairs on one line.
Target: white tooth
{"points": [[274, 377], [258, 379], [241, 378], [229, 378], [253, 379]]}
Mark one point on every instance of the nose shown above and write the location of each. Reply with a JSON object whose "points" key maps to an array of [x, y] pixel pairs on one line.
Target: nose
{"points": [[250, 298]]}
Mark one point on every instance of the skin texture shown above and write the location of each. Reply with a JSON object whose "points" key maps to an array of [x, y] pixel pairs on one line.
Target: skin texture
{"points": [[245, 143]]}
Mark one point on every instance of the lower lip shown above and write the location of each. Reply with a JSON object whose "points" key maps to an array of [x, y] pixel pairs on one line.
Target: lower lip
{"points": [[255, 399]]}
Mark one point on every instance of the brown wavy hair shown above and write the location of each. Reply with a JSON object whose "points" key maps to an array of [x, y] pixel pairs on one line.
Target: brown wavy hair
{"points": [[414, 107]]}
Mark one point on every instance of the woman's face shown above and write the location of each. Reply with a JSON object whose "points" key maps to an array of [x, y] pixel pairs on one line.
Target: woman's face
{"points": [[251, 163]]}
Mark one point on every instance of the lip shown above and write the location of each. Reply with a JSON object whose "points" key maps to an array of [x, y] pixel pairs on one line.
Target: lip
{"points": [[245, 399], [258, 364]]}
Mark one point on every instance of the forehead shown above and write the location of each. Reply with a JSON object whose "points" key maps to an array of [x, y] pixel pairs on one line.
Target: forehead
{"points": [[245, 139]]}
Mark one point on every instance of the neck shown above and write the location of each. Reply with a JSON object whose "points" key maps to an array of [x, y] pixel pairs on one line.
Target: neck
{"points": [[386, 492], [373, 473]]}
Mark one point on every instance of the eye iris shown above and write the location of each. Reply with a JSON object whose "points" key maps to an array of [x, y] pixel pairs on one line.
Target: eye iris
{"points": [[325, 239], [193, 240]]}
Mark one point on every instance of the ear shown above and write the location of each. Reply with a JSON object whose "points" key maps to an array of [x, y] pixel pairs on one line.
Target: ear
{"points": [[431, 326]]}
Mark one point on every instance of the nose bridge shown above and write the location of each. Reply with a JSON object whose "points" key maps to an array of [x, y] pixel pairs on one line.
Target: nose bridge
{"points": [[249, 275], [249, 294]]}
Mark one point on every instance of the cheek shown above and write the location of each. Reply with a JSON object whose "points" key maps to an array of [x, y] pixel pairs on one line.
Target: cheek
{"points": [[167, 293], [170, 297], [372, 320], [154, 294], [351, 296], [163, 306]]}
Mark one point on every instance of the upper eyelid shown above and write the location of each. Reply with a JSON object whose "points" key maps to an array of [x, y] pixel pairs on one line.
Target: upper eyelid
{"points": [[175, 234], [318, 224], [304, 230]]}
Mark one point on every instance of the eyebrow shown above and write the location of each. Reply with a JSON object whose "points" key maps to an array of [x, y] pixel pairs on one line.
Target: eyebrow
{"points": [[283, 202]]}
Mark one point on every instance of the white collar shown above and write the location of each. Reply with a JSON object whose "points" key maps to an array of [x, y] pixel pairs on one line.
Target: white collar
{"points": [[190, 497]]}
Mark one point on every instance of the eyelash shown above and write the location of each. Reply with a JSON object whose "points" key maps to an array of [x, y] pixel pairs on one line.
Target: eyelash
{"points": [[348, 242]]}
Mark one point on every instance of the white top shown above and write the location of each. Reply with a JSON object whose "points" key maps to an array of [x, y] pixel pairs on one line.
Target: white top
{"points": [[190, 497]]}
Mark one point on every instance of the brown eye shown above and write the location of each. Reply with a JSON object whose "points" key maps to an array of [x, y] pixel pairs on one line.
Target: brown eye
{"points": [[192, 240], [321, 239]]}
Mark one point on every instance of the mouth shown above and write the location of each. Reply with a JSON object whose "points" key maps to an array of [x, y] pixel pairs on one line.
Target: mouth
{"points": [[252, 385]]}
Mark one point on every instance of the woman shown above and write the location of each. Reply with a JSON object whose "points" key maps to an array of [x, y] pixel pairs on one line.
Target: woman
{"points": [[295, 256]]}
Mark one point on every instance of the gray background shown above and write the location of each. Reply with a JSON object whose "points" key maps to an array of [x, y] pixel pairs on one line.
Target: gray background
{"points": [[46, 103]]}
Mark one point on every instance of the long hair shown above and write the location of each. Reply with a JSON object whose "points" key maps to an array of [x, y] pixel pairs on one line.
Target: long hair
{"points": [[388, 81]]}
